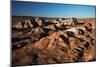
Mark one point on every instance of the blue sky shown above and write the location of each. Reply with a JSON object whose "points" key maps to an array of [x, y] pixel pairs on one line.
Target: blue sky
{"points": [[20, 8]]}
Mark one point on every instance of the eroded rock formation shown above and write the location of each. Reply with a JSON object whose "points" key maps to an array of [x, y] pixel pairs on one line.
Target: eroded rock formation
{"points": [[52, 40]]}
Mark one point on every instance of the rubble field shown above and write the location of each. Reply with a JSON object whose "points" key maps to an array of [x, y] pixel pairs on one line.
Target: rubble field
{"points": [[49, 40]]}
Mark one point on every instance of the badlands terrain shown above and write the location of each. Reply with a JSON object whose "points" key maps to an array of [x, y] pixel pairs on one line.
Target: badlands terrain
{"points": [[48, 40]]}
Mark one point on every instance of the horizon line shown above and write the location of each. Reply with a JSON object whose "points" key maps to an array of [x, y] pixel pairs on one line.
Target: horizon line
{"points": [[53, 17]]}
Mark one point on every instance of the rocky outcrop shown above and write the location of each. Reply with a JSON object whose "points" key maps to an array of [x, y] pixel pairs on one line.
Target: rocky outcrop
{"points": [[52, 40]]}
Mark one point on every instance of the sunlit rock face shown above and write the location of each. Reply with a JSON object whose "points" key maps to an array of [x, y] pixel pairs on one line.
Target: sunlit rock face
{"points": [[42, 40]]}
